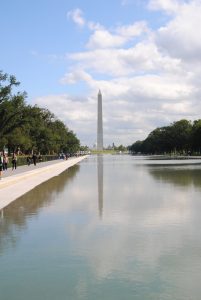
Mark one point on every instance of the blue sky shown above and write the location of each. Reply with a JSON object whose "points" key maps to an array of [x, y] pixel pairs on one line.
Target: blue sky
{"points": [[143, 55], [36, 31]]}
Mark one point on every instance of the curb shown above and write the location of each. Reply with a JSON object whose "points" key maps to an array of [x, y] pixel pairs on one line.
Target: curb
{"points": [[13, 187]]}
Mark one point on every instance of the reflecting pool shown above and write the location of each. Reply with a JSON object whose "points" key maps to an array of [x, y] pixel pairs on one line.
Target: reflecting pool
{"points": [[113, 227]]}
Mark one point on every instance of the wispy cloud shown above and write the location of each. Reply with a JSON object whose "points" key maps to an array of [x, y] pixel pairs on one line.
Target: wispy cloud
{"points": [[169, 6], [77, 16]]}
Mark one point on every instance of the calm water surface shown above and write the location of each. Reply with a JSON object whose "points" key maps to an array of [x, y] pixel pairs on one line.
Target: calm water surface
{"points": [[112, 227]]}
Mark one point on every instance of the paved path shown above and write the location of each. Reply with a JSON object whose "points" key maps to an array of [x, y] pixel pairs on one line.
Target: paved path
{"points": [[25, 168], [18, 182]]}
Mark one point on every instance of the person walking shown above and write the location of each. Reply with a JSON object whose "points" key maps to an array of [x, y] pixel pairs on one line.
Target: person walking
{"points": [[28, 160], [5, 162], [14, 161], [1, 165], [34, 157]]}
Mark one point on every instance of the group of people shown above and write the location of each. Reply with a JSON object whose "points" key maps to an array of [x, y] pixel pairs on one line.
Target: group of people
{"points": [[64, 156], [4, 160]]}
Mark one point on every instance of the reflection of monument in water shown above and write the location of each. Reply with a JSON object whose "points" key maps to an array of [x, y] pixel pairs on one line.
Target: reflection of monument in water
{"points": [[100, 123], [100, 184], [100, 157]]}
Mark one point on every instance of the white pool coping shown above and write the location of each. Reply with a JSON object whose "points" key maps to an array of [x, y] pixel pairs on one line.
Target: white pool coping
{"points": [[12, 187]]}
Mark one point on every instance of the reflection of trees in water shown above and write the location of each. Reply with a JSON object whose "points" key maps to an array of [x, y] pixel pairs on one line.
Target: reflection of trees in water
{"points": [[13, 217], [181, 176]]}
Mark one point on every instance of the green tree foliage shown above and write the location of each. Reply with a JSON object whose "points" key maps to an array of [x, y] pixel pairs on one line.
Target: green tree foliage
{"points": [[11, 106], [196, 136], [179, 137], [27, 127], [6, 84], [120, 148], [73, 144]]}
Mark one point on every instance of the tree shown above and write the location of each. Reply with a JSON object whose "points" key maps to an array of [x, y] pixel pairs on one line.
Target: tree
{"points": [[11, 107], [196, 136], [136, 147], [176, 137], [181, 132], [30, 127], [6, 84], [73, 144]]}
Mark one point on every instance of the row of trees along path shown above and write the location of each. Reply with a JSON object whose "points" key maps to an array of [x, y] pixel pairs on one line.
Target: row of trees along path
{"points": [[30, 128], [181, 137]]}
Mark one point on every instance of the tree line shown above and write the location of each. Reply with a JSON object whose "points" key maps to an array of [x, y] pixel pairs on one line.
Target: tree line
{"points": [[181, 137], [30, 128]]}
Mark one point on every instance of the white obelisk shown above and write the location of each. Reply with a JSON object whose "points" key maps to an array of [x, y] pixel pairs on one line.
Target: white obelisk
{"points": [[100, 123]]}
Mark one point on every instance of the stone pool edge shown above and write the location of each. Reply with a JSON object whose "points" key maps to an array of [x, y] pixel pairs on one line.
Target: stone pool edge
{"points": [[15, 186]]}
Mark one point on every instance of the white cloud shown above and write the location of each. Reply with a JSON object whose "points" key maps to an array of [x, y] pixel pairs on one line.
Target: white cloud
{"points": [[148, 77], [179, 37], [94, 26], [169, 6], [104, 39], [144, 56], [178, 108], [77, 75], [132, 30], [77, 16]]}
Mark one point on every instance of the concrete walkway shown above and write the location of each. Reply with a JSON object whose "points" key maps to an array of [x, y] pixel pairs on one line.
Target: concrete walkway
{"points": [[18, 182]]}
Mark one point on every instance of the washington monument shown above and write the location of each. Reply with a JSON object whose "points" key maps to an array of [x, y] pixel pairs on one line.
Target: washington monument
{"points": [[100, 123]]}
